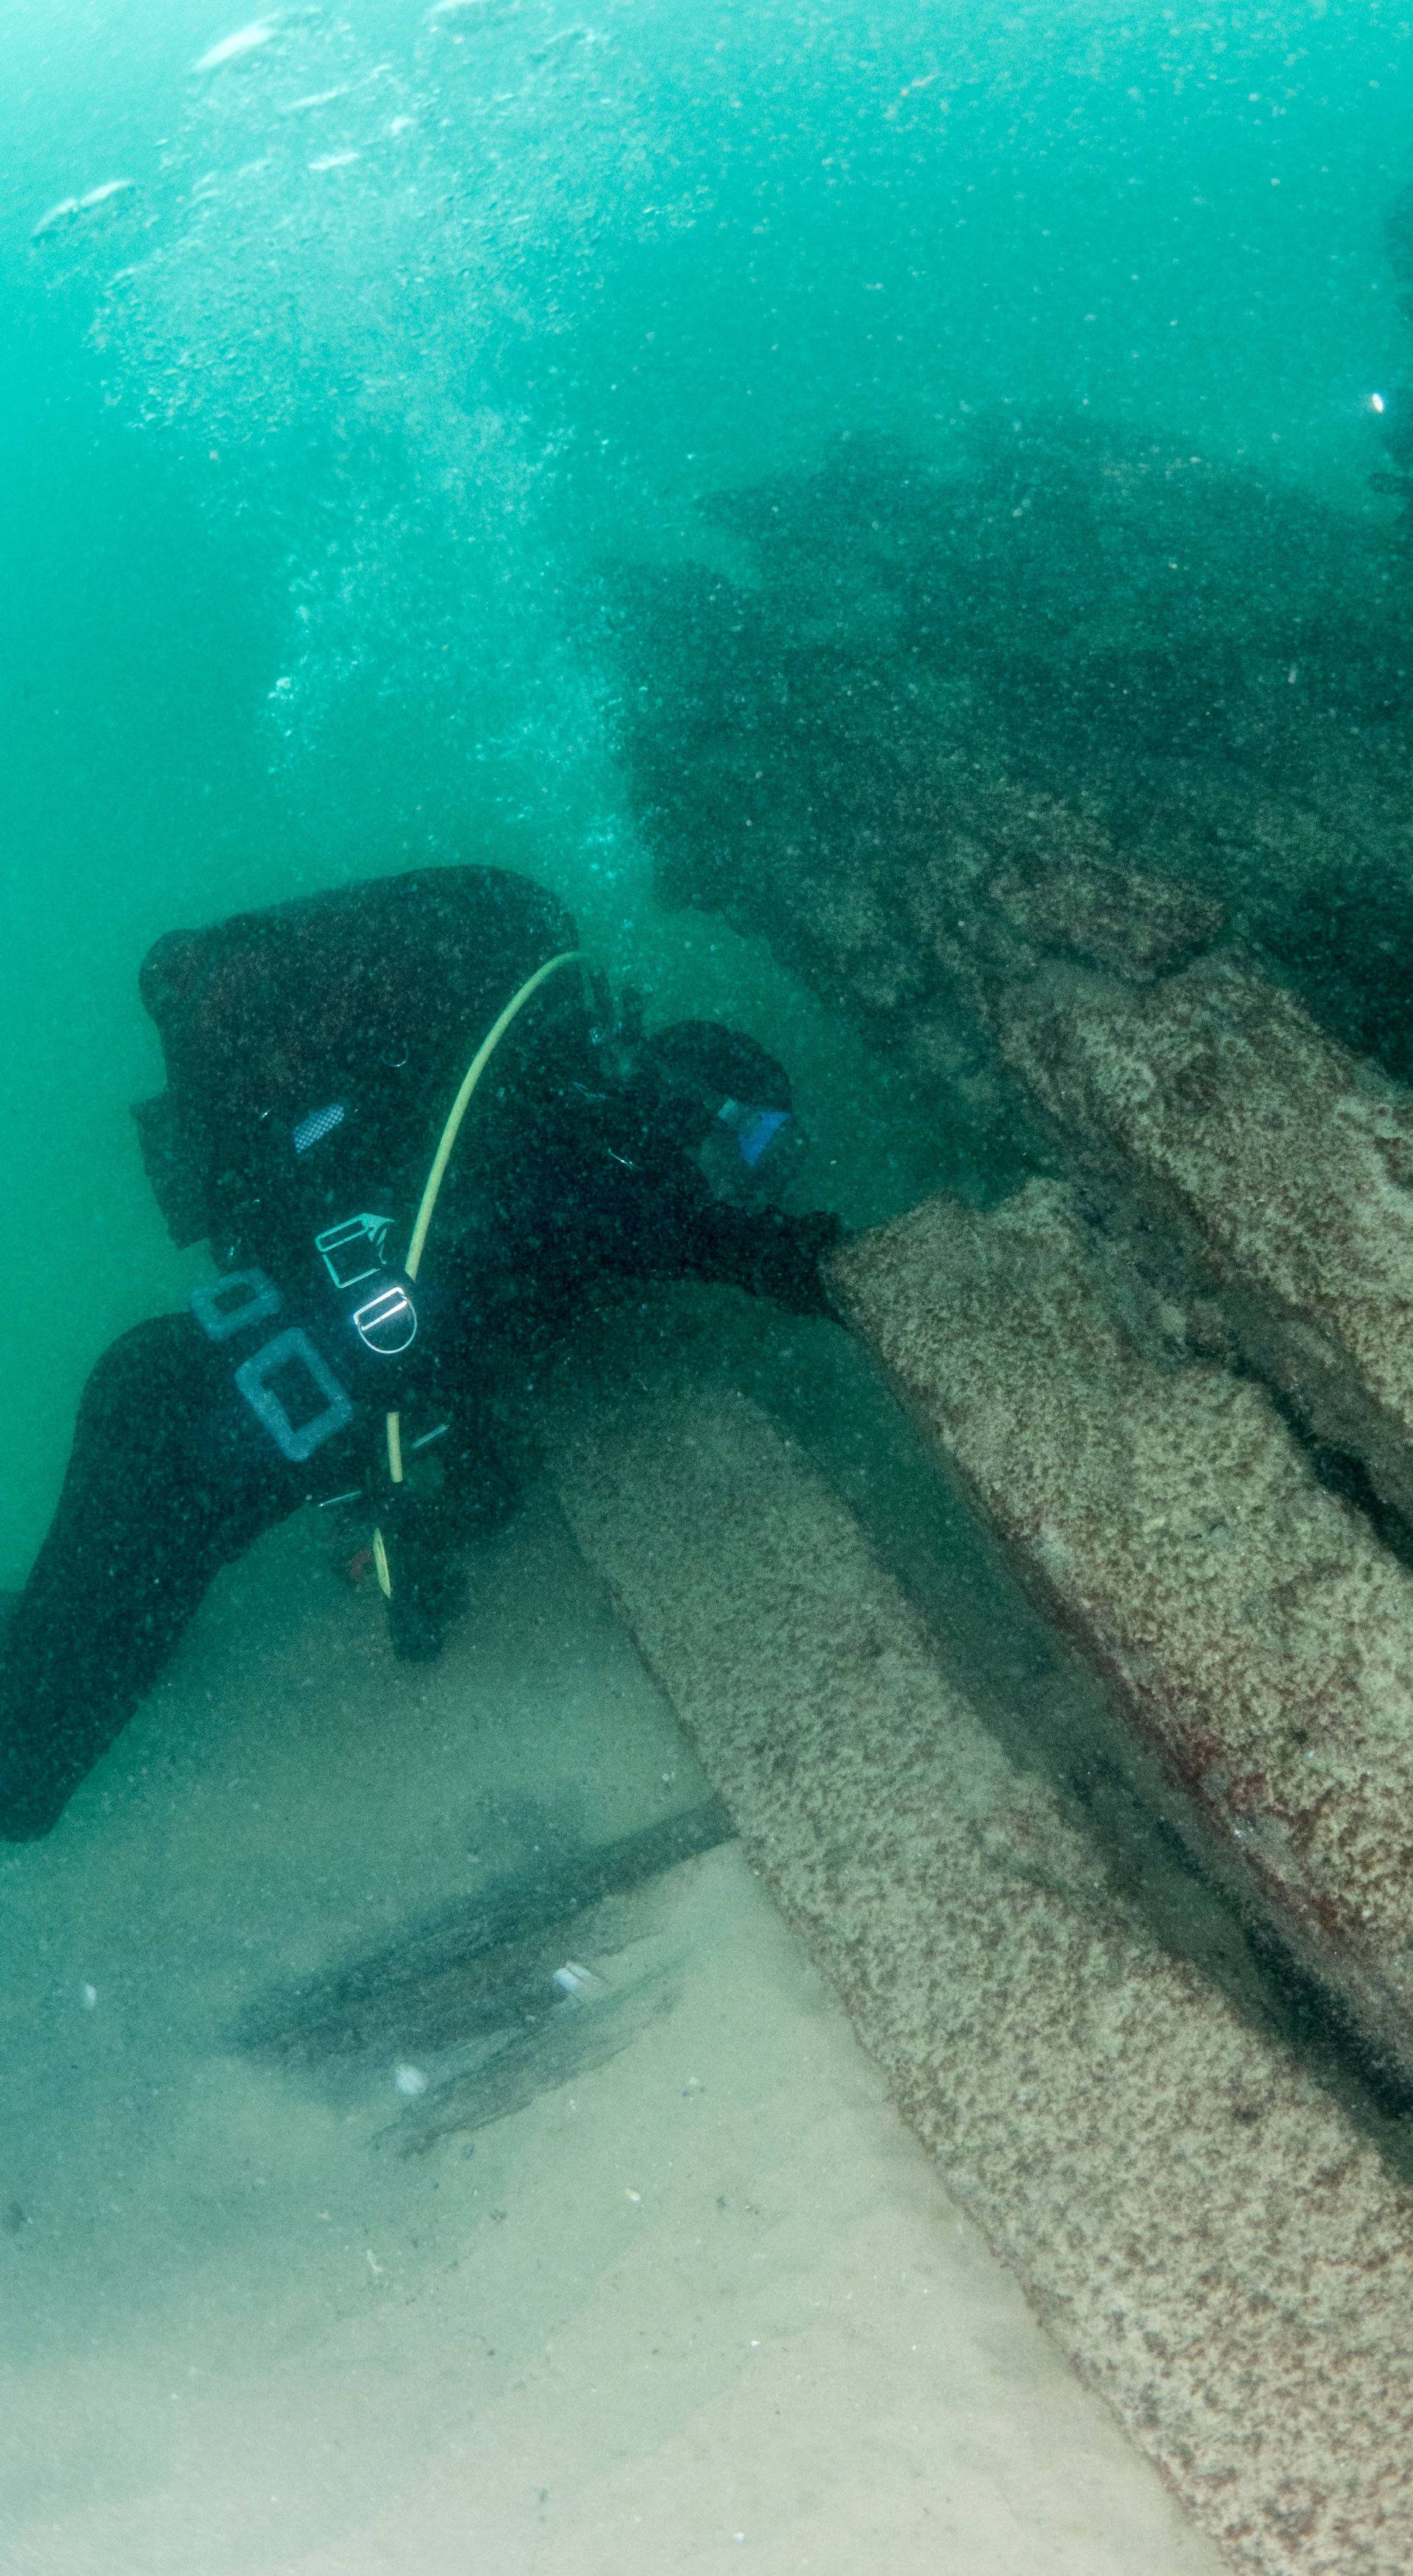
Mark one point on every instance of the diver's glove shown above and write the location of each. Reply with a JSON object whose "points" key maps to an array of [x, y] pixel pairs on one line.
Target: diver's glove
{"points": [[787, 1259]]}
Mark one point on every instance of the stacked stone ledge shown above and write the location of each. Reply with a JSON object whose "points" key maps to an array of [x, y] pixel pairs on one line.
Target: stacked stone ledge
{"points": [[1254, 1186], [1202, 2227], [1065, 1004], [1255, 1634], [1247, 1152]]}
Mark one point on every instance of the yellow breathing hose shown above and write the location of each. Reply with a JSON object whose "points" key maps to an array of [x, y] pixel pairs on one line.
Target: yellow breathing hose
{"points": [[435, 1178]]}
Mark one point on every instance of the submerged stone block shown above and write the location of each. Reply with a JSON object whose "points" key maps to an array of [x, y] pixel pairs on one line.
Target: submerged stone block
{"points": [[1123, 919], [1279, 1166], [1214, 2242], [1252, 1630]]}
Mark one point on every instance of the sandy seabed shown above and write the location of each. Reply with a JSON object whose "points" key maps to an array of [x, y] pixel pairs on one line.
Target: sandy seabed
{"points": [[705, 2303]]}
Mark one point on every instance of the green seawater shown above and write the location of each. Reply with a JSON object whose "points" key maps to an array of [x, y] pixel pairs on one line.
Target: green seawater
{"points": [[305, 516], [421, 457]]}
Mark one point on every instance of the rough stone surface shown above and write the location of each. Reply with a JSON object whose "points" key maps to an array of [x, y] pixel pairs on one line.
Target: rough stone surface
{"points": [[1280, 1164], [1046, 645], [1122, 919], [1254, 1632], [1205, 2231]]}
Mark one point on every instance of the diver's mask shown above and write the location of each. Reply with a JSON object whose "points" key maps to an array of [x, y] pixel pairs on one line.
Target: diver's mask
{"points": [[750, 1156]]}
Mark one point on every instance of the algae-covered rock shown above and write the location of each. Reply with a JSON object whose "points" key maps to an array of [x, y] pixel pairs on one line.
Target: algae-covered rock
{"points": [[1049, 645], [1205, 2231], [1277, 1163], [1253, 1632], [1123, 919]]}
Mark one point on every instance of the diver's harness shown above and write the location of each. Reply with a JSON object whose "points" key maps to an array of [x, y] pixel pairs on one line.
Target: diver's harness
{"points": [[296, 1396]]}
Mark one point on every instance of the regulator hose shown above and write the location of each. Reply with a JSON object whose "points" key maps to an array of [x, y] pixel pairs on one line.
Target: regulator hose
{"points": [[435, 1178]]}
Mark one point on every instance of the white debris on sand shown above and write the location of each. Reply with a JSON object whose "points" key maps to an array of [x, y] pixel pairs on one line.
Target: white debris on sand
{"points": [[580, 1982]]}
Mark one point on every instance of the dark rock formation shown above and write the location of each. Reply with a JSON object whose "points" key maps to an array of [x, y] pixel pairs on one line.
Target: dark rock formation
{"points": [[1060, 647], [996, 757]]}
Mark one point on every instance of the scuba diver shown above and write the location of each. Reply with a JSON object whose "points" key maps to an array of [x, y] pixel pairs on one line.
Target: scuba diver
{"points": [[320, 1058]]}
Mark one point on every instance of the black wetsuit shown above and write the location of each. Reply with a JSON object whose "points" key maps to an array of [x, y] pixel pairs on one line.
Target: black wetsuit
{"points": [[311, 1106]]}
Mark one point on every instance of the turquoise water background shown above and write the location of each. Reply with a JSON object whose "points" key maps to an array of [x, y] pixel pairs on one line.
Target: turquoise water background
{"points": [[302, 521]]}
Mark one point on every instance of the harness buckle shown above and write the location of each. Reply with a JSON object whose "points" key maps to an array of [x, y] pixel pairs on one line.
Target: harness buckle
{"points": [[387, 1323], [225, 1306], [345, 1246], [295, 1440]]}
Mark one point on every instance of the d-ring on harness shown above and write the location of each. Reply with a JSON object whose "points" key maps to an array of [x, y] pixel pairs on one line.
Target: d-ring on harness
{"points": [[435, 1178]]}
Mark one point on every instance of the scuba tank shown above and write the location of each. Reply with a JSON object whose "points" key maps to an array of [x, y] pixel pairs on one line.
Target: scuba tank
{"points": [[370, 995]]}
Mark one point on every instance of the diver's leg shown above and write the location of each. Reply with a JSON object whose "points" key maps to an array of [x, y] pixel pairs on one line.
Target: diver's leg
{"points": [[161, 1490]]}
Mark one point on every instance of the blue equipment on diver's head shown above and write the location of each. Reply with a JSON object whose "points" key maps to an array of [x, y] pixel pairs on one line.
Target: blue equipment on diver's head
{"points": [[719, 1097], [750, 1155]]}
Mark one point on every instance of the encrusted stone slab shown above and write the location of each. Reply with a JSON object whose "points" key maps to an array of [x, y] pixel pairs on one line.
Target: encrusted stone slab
{"points": [[1283, 1166], [1253, 1631], [1220, 2250], [1123, 919]]}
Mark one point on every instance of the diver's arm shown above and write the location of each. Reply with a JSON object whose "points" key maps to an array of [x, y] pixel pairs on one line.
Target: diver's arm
{"points": [[665, 1224], [766, 1252]]}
